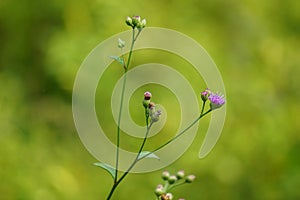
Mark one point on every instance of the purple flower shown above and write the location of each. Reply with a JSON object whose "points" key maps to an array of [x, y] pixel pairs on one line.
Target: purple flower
{"points": [[147, 95], [216, 100]]}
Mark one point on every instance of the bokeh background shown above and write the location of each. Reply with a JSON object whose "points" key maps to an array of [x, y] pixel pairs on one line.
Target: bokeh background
{"points": [[254, 43]]}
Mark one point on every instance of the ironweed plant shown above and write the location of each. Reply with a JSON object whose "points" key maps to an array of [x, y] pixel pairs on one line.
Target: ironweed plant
{"points": [[152, 115]]}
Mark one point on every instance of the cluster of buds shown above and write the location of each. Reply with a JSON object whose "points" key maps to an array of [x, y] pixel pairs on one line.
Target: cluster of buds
{"points": [[162, 192], [136, 22], [216, 100], [150, 108]]}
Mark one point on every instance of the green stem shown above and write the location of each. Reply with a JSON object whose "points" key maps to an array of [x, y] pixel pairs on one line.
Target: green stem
{"points": [[119, 124], [203, 105], [178, 135], [176, 185], [132, 164], [126, 66], [121, 105]]}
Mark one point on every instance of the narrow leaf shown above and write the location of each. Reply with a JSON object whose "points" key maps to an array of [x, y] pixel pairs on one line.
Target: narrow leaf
{"points": [[149, 155], [108, 168], [118, 59]]}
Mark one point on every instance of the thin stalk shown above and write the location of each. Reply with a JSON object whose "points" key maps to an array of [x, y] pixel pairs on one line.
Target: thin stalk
{"points": [[126, 66], [121, 105], [138, 154], [176, 185], [132, 164], [178, 135]]}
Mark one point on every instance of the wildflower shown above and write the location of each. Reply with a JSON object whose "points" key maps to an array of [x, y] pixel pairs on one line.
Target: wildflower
{"points": [[216, 100], [154, 114], [159, 190], [169, 196], [190, 178], [142, 24], [172, 179], [147, 97], [129, 21], [165, 175], [205, 94], [136, 22], [180, 174]]}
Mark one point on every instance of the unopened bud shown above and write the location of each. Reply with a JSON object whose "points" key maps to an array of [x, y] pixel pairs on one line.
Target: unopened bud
{"points": [[190, 178], [159, 191], [141, 24], [172, 179], [136, 20], [169, 196], [180, 174], [147, 97], [129, 21], [205, 94], [165, 175]]}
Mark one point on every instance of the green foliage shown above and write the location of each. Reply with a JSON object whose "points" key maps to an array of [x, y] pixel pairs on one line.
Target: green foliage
{"points": [[111, 170], [118, 59], [145, 154]]}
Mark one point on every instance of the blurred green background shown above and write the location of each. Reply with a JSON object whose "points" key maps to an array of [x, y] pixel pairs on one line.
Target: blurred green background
{"points": [[254, 43]]}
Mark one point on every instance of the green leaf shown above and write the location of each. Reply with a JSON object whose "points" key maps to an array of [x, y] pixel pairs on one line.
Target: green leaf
{"points": [[118, 59], [108, 168], [151, 155]]}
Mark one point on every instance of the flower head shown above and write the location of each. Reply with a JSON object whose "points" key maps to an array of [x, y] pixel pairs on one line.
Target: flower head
{"points": [[136, 22], [154, 114], [147, 95], [205, 94], [172, 179], [169, 196], [180, 174], [165, 175], [159, 190], [146, 101], [190, 178], [216, 100]]}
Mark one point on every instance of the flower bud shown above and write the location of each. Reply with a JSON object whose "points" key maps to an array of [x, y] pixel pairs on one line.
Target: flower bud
{"points": [[129, 21], [147, 97], [136, 20], [121, 43], [141, 24], [169, 196], [172, 179], [159, 191], [205, 94], [190, 178], [180, 174], [155, 116], [165, 175]]}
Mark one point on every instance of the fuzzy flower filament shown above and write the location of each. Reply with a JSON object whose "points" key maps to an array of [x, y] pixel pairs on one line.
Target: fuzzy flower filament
{"points": [[216, 100]]}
